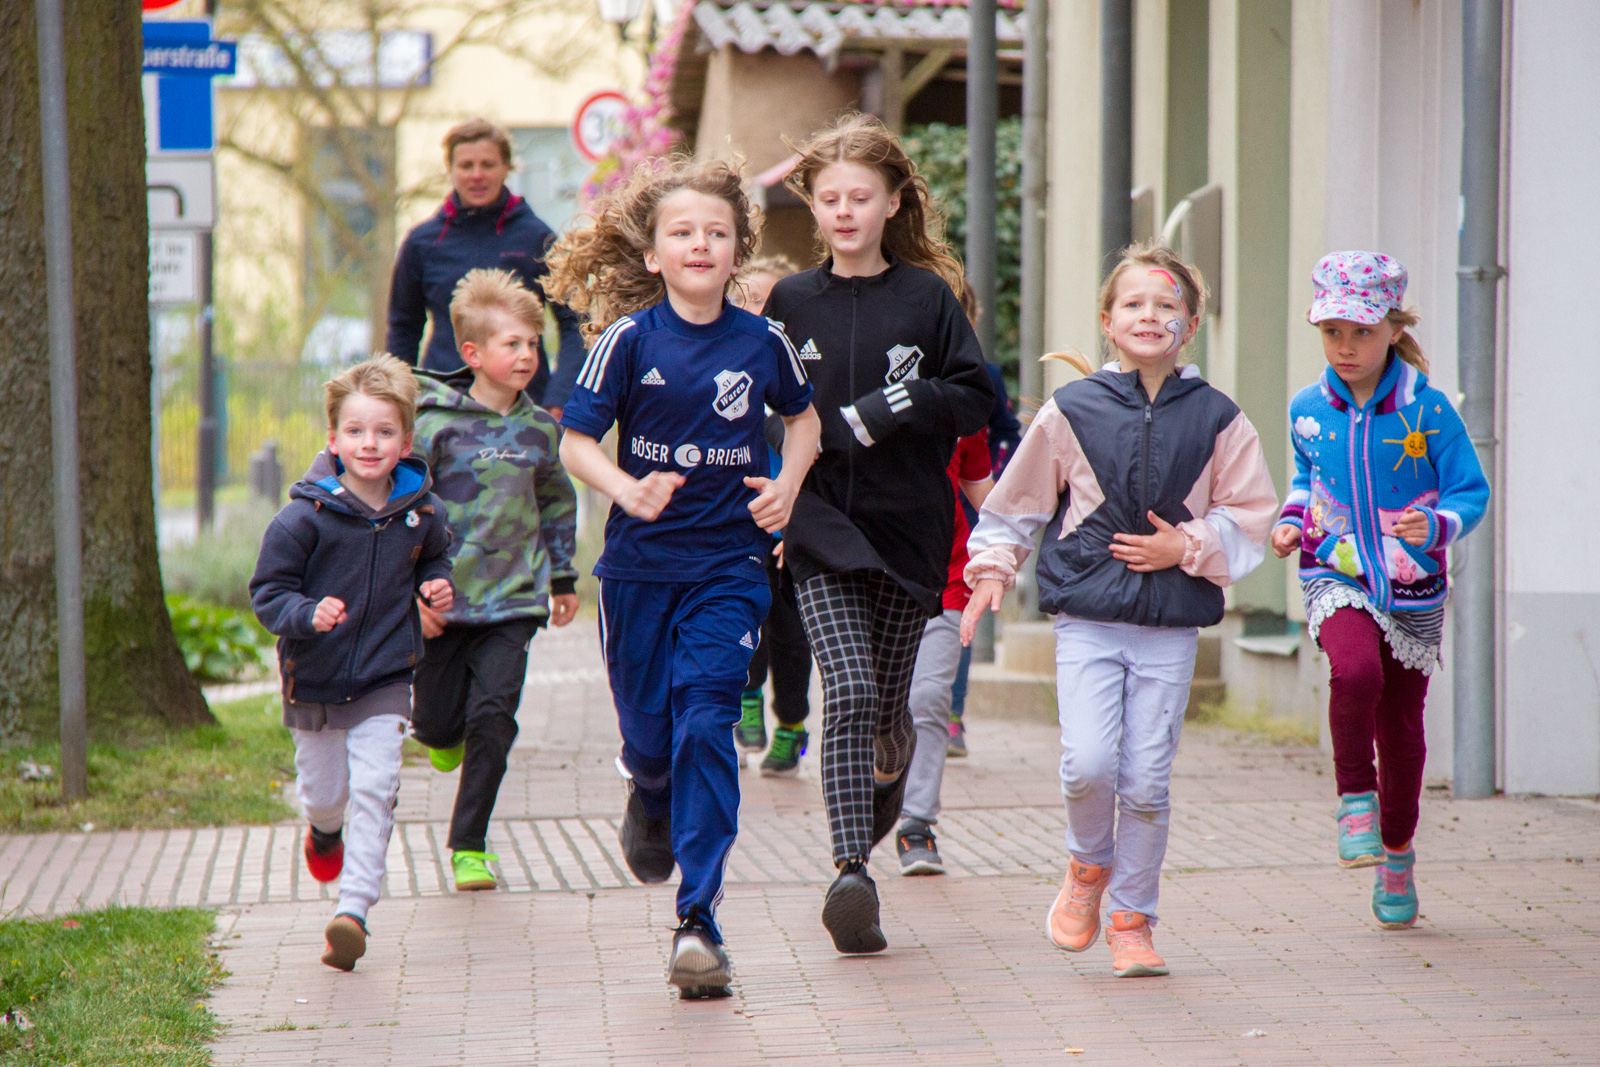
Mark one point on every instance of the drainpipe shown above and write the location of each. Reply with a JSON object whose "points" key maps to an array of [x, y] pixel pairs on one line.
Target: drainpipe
{"points": [[1035, 89], [1116, 130], [983, 112], [1477, 288]]}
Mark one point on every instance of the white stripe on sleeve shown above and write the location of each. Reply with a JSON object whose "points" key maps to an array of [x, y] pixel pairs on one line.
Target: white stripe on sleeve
{"points": [[594, 368], [788, 347]]}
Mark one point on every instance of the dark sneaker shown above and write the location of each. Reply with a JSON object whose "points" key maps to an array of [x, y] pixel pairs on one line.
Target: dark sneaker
{"points": [[850, 912], [646, 842], [751, 733], [886, 800], [324, 854], [918, 848], [783, 758], [699, 966], [957, 745], [347, 942]]}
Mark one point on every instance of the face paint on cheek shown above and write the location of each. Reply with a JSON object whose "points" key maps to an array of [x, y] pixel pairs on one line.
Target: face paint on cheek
{"points": [[1175, 328]]}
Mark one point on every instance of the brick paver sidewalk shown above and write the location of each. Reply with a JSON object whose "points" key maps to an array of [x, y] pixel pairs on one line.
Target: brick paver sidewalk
{"points": [[1275, 956]]}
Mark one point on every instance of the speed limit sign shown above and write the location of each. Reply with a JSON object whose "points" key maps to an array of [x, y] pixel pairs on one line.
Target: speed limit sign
{"points": [[598, 123]]}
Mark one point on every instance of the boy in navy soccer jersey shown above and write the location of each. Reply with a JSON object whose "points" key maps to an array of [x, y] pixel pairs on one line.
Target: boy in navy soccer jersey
{"points": [[684, 376]]}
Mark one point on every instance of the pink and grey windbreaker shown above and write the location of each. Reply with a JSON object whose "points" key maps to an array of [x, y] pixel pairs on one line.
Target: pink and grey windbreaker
{"points": [[1097, 457]]}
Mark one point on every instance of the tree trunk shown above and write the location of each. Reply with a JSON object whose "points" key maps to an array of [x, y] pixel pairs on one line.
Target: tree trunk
{"points": [[137, 677]]}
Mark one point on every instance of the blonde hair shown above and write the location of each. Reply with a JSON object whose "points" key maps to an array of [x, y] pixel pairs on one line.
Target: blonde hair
{"points": [[915, 233], [382, 378], [484, 291], [1152, 257], [779, 267], [1405, 346], [600, 269], [472, 131]]}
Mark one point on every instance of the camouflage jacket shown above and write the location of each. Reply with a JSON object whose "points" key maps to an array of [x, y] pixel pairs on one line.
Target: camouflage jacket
{"points": [[507, 499]]}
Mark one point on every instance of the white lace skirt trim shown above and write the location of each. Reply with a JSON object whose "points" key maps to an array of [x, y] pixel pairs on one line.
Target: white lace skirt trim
{"points": [[1326, 598]]}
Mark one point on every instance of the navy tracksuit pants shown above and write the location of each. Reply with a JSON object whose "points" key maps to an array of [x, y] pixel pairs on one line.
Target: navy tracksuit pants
{"points": [[677, 654]]}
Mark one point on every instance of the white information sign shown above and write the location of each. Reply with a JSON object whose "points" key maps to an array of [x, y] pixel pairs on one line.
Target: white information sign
{"points": [[174, 267], [181, 192]]}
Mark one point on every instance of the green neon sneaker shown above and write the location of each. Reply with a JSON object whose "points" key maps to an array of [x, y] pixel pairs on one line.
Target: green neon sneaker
{"points": [[751, 733], [783, 758], [445, 760], [472, 870]]}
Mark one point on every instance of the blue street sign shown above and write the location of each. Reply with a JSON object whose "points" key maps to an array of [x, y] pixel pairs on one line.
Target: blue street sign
{"points": [[180, 59]]}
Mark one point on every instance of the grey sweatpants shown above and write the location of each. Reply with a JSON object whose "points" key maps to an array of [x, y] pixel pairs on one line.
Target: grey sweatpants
{"points": [[937, 659]]}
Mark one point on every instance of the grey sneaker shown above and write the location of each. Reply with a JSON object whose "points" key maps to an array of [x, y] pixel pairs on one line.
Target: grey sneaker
{"points": [[850, 912], [646, 842], [918, 848], [699, 966]]}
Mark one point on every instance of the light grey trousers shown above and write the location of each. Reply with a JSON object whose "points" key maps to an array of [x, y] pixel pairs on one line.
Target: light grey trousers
{"points": [[1121, 692], [937, 659]]}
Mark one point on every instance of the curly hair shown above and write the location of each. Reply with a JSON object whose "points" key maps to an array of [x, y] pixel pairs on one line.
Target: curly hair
{"points": [[599, 269], [915, 233]]}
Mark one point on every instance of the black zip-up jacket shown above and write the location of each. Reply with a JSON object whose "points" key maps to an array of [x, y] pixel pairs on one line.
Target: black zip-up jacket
{"points": [[898, 377], [324, 543]]}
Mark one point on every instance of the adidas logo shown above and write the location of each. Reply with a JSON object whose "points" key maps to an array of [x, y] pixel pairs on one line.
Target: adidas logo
{"points": [[652, 377], [746, 642], [809, 350]]}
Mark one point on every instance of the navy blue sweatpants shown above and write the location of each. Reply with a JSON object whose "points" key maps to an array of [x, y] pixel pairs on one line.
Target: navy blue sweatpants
{"points": [[677, 654]]}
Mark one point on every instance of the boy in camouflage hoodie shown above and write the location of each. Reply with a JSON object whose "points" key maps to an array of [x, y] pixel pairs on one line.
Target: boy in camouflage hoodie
{"points": [[512, 511]]}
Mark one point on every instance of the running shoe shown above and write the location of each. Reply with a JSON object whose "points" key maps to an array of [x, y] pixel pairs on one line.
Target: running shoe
{"points": [[1394, 896], [1133, 951], [783, 758], [850, 912], [1359, 843], [918, 848], [472, 871], [646, 842], [445, 760], [886, 800], [1074, 919], [699, 966], [957, 745], [347, 942], [324, 854], [751, 733]]}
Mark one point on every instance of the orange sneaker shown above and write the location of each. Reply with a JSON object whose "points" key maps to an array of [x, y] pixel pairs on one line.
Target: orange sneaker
{"points": [[1074, 919], [1133, 953]]}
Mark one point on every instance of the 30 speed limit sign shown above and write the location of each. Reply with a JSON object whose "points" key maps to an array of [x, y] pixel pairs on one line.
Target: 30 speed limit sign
{"points": [[598, 123]]}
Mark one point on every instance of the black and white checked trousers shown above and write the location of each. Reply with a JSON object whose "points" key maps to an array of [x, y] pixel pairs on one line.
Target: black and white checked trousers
{"points": [[864, 630]]}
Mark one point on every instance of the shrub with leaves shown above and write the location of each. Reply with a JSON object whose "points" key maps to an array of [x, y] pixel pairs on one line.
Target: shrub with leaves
{"points": [[940, 152], [219, 644], [215, 568]]}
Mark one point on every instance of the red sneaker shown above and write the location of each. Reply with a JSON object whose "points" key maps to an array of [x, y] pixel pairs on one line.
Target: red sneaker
{"points": [[324, 854]]}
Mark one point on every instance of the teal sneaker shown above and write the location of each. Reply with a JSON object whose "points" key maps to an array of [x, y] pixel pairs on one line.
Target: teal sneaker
{"points": [[1394, 897], [472, 870], [751, 733], [783, 758], [1359, 843], [445, 760]]}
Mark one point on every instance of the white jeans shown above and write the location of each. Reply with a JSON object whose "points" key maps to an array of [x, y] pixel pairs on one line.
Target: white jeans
{"points": [[1121, 690], [937, 659], [359, 767]]}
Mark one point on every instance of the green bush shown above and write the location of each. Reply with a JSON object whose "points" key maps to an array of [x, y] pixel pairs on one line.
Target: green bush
{"points": [[218, 644], [215, 568], [940, 152]]}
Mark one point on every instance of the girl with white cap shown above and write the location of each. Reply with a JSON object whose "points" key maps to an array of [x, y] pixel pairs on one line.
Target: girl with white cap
{"points": [[1385, 479]]}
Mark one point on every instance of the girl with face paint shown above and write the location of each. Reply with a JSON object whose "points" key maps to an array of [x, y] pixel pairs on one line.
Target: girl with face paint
{"points": [[1153, 494]]}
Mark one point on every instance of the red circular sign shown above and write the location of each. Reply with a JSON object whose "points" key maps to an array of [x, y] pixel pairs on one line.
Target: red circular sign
{"points": [[598, 123], [157, 5]]}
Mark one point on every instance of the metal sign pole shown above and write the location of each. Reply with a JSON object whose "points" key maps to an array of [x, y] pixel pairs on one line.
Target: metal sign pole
{"points": [[63, 400]]}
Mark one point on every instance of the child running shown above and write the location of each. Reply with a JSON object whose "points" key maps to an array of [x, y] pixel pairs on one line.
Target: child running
{"points": [[783, 650], [1385, 479], [899, 377], [683, 587], [512, 517], [1153, 494], [338, 576]]}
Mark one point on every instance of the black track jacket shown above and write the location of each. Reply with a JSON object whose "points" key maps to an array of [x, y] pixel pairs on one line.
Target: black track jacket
{"points": [[897, 353]]}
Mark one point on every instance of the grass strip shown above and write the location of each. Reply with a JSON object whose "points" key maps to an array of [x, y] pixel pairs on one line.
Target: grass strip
{"points": [[122, 987], [228, 774]]}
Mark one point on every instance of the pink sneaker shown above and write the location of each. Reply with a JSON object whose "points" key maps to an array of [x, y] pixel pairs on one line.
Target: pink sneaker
{"points": [[1133, 952], [1074, 919]]}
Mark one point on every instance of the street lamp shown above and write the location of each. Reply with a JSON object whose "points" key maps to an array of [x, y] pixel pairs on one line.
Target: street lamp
{"points": [[621, 13]]}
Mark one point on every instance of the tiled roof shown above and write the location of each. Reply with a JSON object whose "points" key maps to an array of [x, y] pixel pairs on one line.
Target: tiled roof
{"points": [[824, 28]]}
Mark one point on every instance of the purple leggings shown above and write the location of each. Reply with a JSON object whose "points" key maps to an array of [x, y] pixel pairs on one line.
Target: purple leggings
{"points": [[1373, 697]]}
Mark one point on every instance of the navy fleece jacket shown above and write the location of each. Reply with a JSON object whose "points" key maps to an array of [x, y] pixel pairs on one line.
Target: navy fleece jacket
{"points": [[439, 252], [325, 542]]}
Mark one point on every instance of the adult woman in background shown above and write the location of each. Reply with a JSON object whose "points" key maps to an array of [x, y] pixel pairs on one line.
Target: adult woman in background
{"points": [[480, 224]]}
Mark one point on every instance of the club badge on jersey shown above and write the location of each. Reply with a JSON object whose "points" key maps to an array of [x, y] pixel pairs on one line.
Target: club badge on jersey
{"points": [[733, 394], [903, 362]]}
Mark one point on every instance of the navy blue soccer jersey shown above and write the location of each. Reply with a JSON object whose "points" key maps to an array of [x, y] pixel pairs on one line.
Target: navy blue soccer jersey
{"points": [[689, 399]]}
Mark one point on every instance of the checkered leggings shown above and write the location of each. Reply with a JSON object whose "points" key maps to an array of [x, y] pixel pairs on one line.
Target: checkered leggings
{"points": [[864, 630]]}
